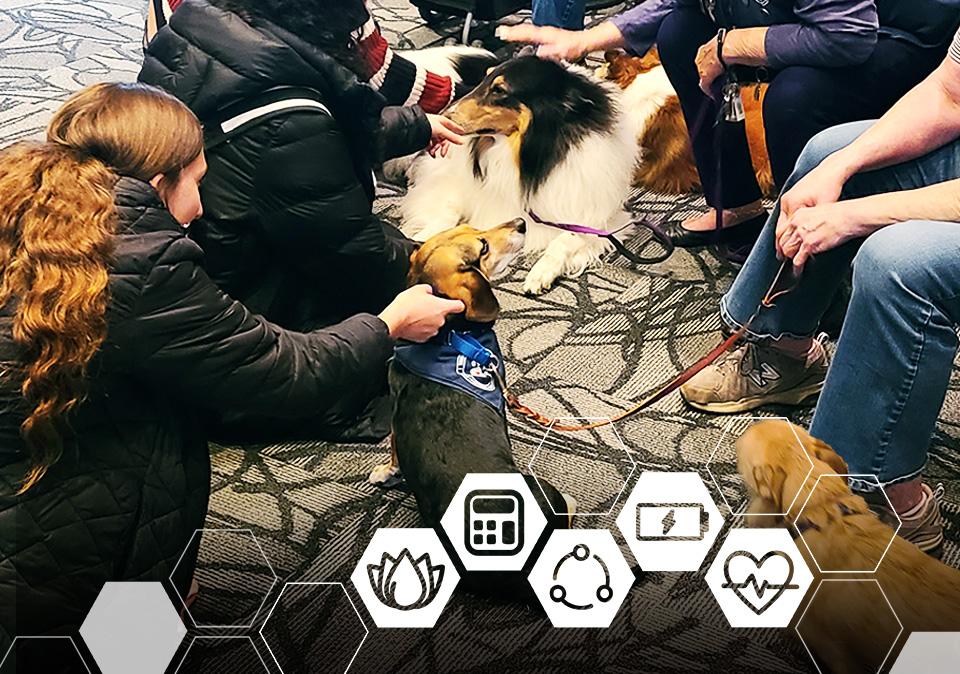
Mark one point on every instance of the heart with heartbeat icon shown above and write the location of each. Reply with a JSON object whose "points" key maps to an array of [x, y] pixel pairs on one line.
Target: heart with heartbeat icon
{"points": [[758, 583]]}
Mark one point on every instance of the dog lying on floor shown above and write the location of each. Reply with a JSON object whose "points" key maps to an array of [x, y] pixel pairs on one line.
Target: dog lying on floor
{"points": [[548, 139], [843, 533], [665, 163], [443, 431]]}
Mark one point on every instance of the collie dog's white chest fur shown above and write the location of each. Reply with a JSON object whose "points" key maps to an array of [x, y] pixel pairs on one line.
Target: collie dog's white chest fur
{"points": [[587, 186]]}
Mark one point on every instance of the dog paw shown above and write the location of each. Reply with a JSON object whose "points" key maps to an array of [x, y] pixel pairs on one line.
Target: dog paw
{"points": [[540, 277], [386, 476]]}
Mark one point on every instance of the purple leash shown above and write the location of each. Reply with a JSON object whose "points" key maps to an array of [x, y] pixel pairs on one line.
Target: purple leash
{"points": [[658, 234]]}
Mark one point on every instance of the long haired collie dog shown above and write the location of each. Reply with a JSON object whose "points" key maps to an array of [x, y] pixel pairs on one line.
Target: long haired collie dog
{"points": [[665, 163], [547, 139]]}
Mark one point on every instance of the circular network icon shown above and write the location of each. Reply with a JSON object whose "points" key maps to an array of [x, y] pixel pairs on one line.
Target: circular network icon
{"points": [[581, 578]]}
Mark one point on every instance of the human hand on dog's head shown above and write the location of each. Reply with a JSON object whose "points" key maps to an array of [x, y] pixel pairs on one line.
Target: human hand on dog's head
{"points": [[416, 314], [552, 43], [461, 262]]}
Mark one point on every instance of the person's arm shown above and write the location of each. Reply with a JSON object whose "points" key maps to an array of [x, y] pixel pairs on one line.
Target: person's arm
{"points": [[635, 29], [828, 33], [187, 336], [931, 113]]}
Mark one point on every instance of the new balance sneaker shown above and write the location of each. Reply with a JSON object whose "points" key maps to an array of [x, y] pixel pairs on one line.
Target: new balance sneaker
{"points": [[755, 374], [921, 525]]}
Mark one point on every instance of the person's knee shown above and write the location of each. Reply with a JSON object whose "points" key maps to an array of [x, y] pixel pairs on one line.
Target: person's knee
{"points": [[885, 263], [675, 41]]}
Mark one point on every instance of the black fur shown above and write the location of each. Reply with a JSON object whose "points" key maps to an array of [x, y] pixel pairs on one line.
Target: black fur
{"points": [[440, 435], [472, 68], [566, 106]]}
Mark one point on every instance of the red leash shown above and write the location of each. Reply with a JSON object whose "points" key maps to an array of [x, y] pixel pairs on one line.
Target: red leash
{"points": [[664, 390]]}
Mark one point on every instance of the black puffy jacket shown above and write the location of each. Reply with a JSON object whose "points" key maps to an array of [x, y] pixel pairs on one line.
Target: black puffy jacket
{"points": [[288, 226], [134, 481]]}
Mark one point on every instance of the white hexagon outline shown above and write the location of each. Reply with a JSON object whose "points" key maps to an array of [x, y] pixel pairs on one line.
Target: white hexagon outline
{"points": [[623, 445], [716, 483], [256, 614], [366, 630], [235, 636], [849, 580], [68, 638], [859, 476]]}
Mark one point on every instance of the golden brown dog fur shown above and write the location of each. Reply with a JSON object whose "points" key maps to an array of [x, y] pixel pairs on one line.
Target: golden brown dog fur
{"points": [[667, 164], [842, 533]]}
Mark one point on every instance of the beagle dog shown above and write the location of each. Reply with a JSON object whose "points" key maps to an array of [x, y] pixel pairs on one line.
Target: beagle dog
{"points": [[449, 415], [842, 626]]}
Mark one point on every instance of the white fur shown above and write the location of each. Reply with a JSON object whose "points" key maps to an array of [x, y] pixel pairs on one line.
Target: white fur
{"points": [[588, 187], [644, 96]]}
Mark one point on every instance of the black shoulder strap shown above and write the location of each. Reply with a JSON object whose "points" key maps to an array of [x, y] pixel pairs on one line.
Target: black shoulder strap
{"points": [[237, 118]]}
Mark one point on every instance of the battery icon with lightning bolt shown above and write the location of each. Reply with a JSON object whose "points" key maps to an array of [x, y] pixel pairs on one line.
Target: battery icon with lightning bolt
{"points": [[671, 521]]}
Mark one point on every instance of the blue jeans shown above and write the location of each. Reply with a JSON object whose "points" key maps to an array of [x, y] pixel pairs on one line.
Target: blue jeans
{"points": [[560, 13], [889, 377]]}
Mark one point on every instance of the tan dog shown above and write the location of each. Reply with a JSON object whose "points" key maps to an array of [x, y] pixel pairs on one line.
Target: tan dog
{"points": [[666, 159], [843, 533]]}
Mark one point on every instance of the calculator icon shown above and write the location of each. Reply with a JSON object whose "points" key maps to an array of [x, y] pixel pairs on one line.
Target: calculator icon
{"points": [[494, 522]]}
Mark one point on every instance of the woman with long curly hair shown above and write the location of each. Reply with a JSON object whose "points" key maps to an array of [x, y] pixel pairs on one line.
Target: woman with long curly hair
{"points": [[115, 347]]}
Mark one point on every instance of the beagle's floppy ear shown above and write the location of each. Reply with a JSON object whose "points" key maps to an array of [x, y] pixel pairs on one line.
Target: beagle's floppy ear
{"points": [[769, 481], [477, 296], [824, 452]]}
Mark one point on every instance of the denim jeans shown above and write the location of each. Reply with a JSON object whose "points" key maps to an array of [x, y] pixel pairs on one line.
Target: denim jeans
{"points": [[889, 377], [560, 13]]}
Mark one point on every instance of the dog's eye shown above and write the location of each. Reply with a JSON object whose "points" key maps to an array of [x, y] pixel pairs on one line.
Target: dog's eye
{"points": [[484, 247], [498, 90]]}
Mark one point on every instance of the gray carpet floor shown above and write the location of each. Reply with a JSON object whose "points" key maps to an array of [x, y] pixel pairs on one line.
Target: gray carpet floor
{"points": [[303, 512]]}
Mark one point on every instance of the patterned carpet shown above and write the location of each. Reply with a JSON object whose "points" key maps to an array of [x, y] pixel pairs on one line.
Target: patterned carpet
{"points": [[303, 513]]}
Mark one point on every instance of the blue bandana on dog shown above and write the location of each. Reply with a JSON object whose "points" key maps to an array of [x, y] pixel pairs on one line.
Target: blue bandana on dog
{"points": [[456, 358]]}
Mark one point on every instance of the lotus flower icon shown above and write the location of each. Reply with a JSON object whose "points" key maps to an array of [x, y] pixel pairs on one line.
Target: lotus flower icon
{"points": [[405, 583]]}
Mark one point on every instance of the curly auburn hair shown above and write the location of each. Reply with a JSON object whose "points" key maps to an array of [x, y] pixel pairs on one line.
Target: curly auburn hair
{"points": [[57, 219]]}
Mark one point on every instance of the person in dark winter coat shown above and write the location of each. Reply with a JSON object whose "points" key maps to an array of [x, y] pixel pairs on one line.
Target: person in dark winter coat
{"points": [[115, 346], [289, 228]]}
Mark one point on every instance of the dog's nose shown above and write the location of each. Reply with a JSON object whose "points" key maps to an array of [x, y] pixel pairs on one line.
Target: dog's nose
{"points": [[520, 225]]}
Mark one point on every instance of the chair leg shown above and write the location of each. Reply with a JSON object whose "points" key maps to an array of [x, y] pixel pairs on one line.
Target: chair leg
{"points": [[466, 28]]}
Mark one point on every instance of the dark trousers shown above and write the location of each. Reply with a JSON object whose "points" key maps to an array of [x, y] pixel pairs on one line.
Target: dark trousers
{"points": [[801, 102]]}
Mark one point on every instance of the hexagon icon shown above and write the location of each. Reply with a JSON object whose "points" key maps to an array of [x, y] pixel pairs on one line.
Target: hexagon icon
{"points": [[670, 521], [722, 466], [825, 623], [41, 653], [405, 577], [232, 559], [809, 536], [759, 578], [493, 521], [132, 627], [596, 491], [336, 634], [581, 578]]}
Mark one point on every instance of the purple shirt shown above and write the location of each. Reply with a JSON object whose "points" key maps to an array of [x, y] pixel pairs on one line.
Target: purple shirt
{"points": [[826, 32]]}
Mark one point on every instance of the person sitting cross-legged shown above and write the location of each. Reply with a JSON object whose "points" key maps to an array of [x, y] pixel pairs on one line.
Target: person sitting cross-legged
{"points": [[886, 197]]}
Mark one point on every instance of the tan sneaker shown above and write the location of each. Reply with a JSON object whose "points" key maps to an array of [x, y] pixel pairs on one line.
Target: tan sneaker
{"points": [[922, 525], [755, 374]]}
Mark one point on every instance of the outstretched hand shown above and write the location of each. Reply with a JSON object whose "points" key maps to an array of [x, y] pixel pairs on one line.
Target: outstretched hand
{"points": [[443, 133], [553, 43]]}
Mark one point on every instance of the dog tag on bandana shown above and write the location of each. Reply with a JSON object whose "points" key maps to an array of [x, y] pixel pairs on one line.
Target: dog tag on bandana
{"points": [[438, 361]]}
